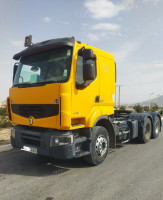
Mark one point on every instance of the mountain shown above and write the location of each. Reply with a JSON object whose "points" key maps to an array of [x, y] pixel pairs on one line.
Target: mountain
{"points": [[157, 100]]}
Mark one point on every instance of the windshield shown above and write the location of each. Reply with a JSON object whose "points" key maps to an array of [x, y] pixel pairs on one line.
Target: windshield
{"points": [[48, 67]]}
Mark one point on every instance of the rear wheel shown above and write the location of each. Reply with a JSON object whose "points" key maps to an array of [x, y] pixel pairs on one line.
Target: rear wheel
{"points": [[99, 147], [145, 135], [156, 127]]}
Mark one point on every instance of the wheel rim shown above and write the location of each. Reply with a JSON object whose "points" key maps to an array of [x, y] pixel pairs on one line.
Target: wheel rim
{"points": [[157, 127], [101, 146]]}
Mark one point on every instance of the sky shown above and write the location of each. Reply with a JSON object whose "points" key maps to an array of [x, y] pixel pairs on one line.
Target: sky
{"points": [[132, 30]]}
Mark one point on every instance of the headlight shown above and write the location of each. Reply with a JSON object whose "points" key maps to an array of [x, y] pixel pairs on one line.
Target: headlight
{"points": [[61, 140], [13, 132]]}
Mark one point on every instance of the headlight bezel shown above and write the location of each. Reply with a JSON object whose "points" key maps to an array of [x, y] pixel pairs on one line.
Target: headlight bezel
{"points": [[57, 140]]}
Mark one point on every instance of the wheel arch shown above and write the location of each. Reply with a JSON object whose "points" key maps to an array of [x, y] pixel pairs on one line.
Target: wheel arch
{"points": [[105, 122], [141, 118]]}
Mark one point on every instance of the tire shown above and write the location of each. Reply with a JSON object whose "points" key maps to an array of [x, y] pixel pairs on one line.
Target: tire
{"points": [[99, 146], [145, 134], [156, 128]]}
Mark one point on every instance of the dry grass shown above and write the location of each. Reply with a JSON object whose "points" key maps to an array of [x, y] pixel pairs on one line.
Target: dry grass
{"points": [[5, 136], [4, 122]]}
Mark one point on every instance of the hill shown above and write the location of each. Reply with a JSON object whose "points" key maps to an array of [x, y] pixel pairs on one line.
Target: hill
{"points": [[158, 101]]}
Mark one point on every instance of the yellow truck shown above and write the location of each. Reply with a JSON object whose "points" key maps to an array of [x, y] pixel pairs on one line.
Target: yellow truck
{"points": [[61, 103]]}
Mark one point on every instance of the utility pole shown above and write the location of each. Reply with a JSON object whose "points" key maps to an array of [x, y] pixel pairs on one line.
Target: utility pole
{"points": [[119, 98]]}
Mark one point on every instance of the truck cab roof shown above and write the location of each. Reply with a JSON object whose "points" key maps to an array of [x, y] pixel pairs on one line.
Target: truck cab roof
{"points": [[45, 45]]}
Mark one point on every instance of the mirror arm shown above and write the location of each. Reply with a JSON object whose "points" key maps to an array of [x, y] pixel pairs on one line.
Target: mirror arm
{"points": [[15, 69], [80, 52]]}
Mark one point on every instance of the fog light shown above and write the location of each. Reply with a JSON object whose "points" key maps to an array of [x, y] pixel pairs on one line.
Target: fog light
{"points": [[56, 141], [13, 132]]}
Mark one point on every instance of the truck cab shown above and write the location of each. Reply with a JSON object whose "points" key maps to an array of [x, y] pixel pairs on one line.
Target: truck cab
{"points": [[61, 103]]}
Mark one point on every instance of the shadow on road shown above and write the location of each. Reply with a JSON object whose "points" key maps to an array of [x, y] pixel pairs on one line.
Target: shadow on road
{"points": [[23, 163]]}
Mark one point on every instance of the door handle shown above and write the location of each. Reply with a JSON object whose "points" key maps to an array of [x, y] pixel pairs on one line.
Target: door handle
{"points": [[97, 99]]}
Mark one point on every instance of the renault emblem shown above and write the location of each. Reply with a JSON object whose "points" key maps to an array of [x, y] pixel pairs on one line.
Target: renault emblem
{"points": [[30, 120], [56, 100]]}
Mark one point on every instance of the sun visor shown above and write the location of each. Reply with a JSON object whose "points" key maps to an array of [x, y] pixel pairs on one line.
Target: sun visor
{"points": [[46, 44]]}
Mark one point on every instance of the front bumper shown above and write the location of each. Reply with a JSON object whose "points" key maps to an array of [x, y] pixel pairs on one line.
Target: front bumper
{"points": [[41, 139]]}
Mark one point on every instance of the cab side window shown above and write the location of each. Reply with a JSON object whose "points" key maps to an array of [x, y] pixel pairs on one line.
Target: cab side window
{"points": [[79, 72]]}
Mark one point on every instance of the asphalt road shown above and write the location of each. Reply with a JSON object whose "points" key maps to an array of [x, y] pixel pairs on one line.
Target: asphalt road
{"points": [[131, 172]]}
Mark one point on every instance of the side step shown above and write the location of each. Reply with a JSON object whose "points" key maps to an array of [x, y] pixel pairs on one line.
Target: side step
{"points": [[125, 141]]}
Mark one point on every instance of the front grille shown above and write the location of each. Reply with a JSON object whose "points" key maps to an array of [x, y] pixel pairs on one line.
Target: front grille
{"points": [[35, 110], [31, 140]]}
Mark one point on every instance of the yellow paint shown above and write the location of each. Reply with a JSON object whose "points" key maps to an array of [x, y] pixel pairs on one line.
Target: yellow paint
{"points": [[78, 108]]}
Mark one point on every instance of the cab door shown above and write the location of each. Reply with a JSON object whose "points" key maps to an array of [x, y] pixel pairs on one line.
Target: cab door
{"points": [[85, 95], [107, 85]]}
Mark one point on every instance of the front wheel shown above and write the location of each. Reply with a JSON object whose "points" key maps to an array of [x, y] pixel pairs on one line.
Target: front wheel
{"points": [[99, 146]]}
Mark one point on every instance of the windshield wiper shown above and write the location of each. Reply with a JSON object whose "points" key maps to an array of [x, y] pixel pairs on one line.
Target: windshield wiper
{"points": [[50, 82], [22, 85]]}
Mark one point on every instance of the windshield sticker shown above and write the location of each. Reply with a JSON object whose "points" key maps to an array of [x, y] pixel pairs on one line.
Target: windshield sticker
{"points": [[65, 72], [68, 52]]}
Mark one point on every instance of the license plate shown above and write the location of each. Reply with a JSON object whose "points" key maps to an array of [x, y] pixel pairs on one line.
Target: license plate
{"points": [[29, 149]]}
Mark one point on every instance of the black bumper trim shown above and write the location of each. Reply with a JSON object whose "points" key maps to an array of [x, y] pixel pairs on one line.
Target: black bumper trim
{"points": [[80, 147]]}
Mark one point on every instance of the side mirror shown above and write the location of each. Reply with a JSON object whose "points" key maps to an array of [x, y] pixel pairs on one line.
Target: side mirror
{"points": [[88, 72], [14, 70], [87, 54]]}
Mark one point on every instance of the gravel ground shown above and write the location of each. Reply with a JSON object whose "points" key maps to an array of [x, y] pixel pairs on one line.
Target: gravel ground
{"points": [[4, 136]]}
